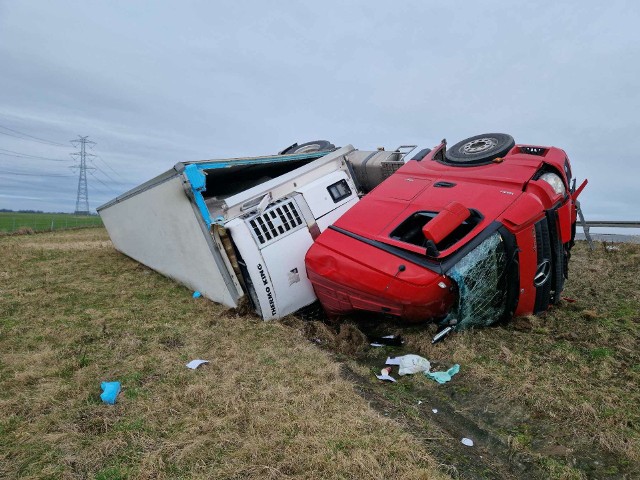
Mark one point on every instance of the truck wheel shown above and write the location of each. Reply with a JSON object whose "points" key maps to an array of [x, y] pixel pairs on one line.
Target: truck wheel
{"points": [[479, 150], [309, 147]]}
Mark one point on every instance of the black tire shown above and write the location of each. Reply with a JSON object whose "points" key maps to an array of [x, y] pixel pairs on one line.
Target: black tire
{"points": [[559, 261], [309, 147], [543, 290], [479, 150]]}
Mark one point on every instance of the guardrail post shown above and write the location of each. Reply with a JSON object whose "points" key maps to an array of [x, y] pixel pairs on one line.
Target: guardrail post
{"points": [[585, 227]]}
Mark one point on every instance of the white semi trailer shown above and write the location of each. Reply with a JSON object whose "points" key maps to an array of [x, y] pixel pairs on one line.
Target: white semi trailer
{"points": [[240, 228]]}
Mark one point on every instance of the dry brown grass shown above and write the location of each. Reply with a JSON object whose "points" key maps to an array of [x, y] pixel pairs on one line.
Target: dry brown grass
{"points": [[564, 382], [73, 312]]}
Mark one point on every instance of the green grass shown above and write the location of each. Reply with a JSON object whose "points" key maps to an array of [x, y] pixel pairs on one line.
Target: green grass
{"points": [[37, 222]]}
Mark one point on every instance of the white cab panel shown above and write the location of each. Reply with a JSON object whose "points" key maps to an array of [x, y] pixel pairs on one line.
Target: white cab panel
{"points": [[334, 215], [317, 193]]}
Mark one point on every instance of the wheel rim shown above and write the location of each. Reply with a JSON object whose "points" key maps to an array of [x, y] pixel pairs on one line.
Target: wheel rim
{"points": [[478, 145]]}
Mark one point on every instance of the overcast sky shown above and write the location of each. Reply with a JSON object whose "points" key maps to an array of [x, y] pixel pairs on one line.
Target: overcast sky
{"points": [[154, 83]]}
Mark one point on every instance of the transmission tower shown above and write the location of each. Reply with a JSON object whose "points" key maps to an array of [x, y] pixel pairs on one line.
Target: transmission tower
{"points": [[82, 200]]}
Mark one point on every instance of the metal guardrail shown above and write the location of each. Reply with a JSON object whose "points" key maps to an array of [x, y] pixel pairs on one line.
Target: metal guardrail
{"points": [[586, 226], [613, 223]]}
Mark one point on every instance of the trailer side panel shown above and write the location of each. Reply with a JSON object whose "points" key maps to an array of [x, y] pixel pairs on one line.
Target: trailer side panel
{"points": [[160, 228]]}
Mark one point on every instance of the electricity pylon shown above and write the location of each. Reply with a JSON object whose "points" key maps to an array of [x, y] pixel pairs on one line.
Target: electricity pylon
{"points": [[82, 200]]}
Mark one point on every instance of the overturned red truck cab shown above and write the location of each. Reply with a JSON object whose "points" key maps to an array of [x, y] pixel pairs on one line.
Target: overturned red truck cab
{"points": [[467, 235]]}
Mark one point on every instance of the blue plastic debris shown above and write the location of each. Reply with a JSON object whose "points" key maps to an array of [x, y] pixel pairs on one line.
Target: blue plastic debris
{"points": [[443, 377], [197, 294], [110, 391]]}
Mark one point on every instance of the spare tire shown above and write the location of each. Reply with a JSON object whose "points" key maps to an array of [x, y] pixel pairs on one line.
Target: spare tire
{"points": [[309, 147], [479, 150]]}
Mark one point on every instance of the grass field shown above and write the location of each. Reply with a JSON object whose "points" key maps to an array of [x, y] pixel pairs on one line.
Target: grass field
{"points": [[74, 312], [542, 397], [37, 222], [555, 396]]}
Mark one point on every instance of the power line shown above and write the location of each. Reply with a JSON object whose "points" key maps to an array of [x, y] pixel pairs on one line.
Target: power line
{"points": [[106, 174], [36, 139], [110, 188], [109, 166], [26, 155], [35, 174], [9, 135]]}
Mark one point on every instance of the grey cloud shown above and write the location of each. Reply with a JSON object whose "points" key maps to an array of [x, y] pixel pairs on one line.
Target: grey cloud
{"points": [[154, 84]]}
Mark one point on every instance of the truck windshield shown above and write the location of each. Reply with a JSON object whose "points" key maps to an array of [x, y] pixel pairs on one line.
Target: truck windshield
{"points": [[481, 279]]}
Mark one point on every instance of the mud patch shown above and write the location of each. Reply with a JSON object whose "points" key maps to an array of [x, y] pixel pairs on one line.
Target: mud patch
{"points": [[344, 338]]}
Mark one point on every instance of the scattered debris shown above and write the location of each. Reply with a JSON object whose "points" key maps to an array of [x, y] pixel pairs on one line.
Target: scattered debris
{"points": [[409, 364], [443, 333], [467, 441], [197, 294], [434, 410], [419, 402], [193, 364], [569, 300], [387, 340], [110, 391], [443, 377], [384, 375]]}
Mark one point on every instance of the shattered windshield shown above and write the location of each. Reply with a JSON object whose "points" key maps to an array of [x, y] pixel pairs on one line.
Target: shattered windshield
{"points": [[480, 277]]}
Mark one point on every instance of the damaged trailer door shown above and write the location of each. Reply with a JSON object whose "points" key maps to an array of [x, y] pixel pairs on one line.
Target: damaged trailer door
{"points": [[236, 227]]}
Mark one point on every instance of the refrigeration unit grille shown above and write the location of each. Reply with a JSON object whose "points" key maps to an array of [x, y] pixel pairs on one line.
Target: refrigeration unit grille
{"points": [[280, 218]]}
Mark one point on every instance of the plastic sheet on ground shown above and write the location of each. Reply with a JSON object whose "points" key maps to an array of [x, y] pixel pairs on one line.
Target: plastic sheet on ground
{"points": [[409, 364], [110, 391], [193, 364], [443, 377]]}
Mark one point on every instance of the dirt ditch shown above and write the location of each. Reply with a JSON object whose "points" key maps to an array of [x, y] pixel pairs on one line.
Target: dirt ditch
{"points": [[511, 438]]}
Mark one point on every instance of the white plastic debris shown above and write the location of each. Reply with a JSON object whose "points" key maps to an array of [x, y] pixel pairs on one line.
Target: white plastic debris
{"points": [[419, 402], [384, 375], [377, 345], [193, 364], [467, 441], [410, 364], [434, 410]]}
